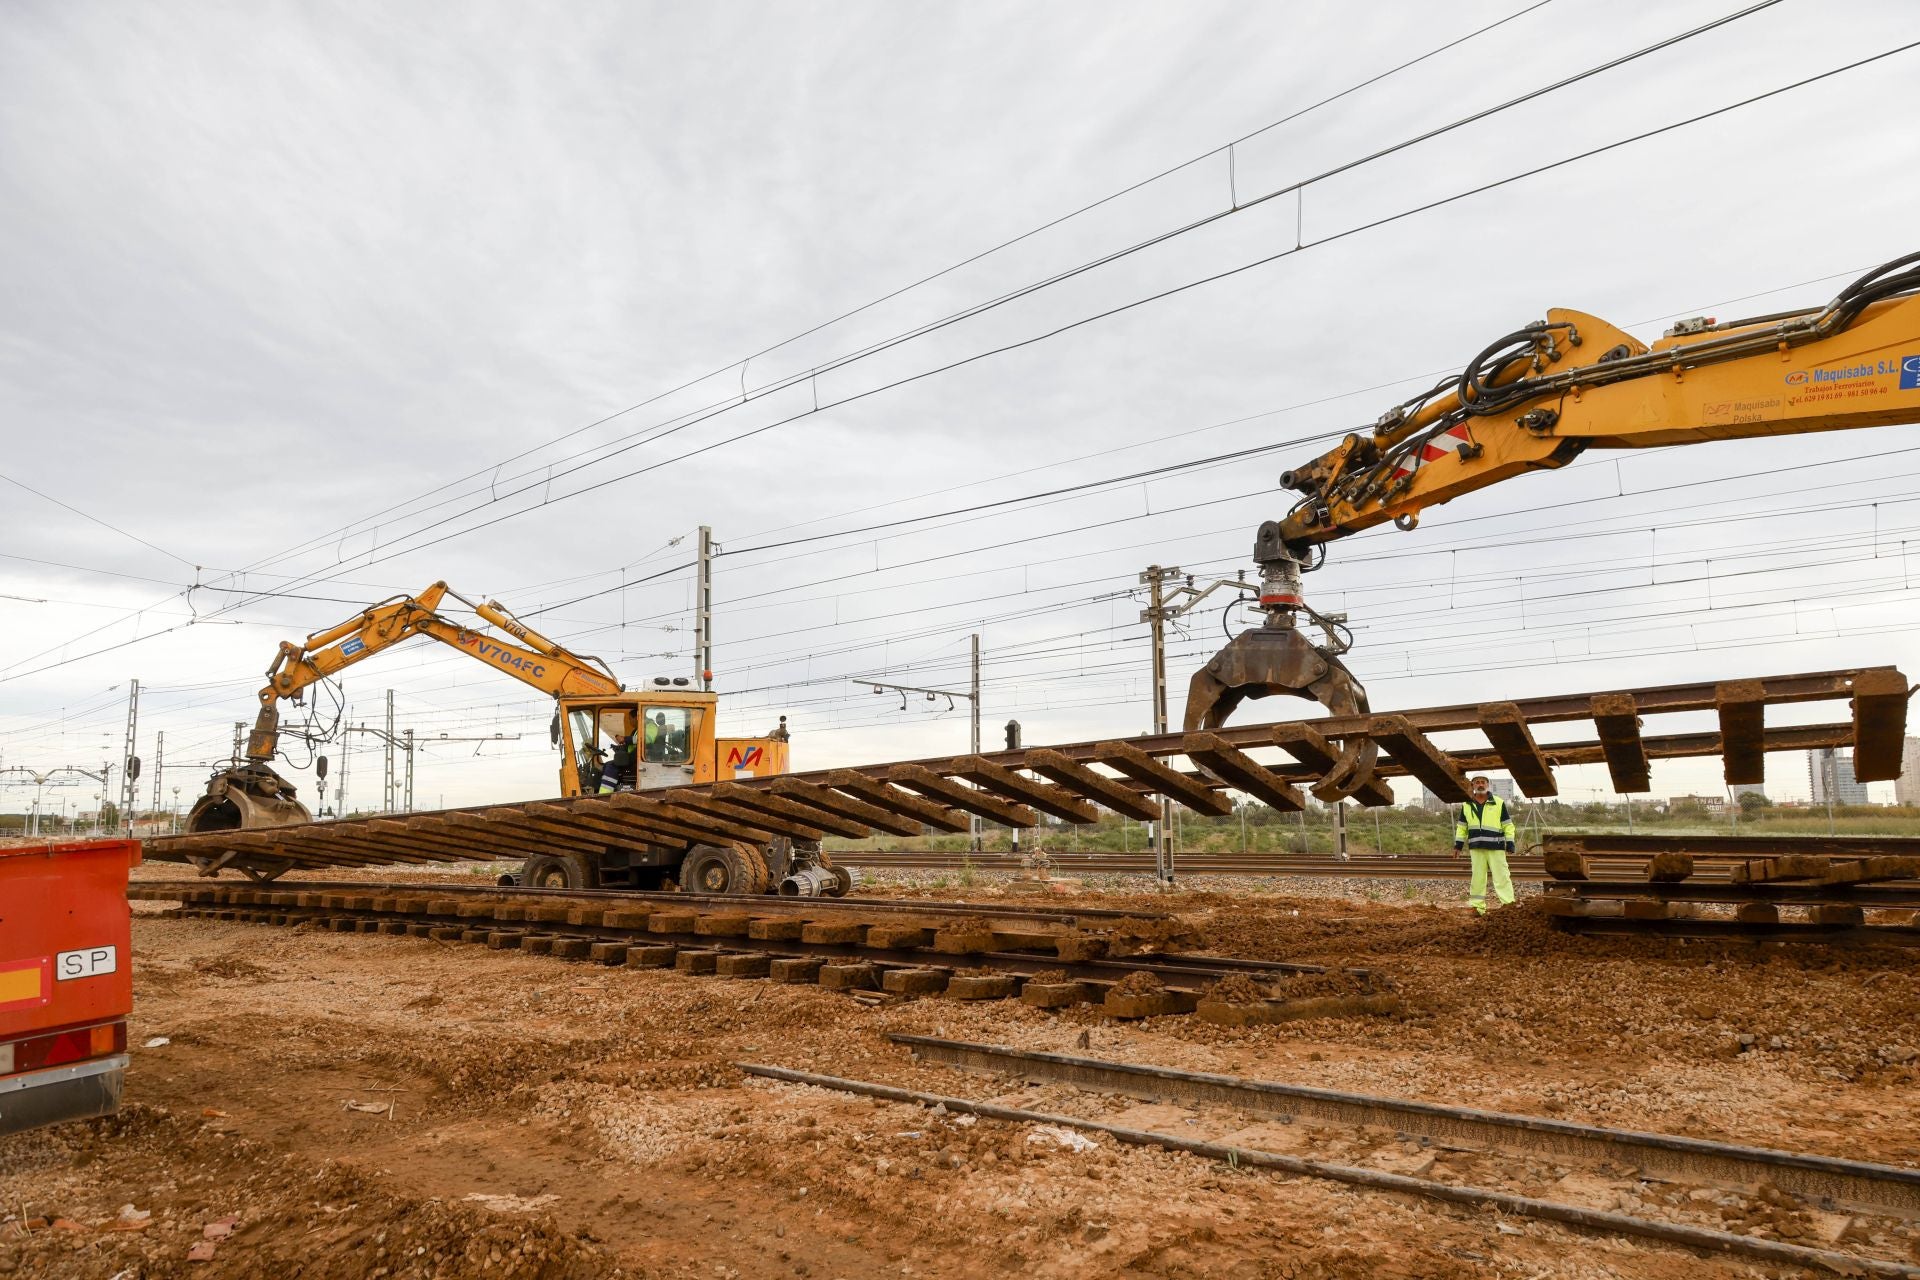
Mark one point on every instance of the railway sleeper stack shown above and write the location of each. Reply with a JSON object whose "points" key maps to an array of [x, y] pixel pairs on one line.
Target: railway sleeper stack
{"points": [[1280, 764], [874, 960], [1826, 889]]}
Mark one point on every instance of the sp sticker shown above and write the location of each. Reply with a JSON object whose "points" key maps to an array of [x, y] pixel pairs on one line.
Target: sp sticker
{"points": [[89, 962]]}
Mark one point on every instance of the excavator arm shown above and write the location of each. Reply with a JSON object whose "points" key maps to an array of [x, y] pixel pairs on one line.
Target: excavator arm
{"points": [[542, 663], [1535, 400], [252, 795]]}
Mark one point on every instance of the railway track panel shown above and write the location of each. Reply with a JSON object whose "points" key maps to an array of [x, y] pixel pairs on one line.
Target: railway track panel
{"points": [[1826, 889], [1115, 963], [1075, 781], [1515, 1165], [1859, 1184], [1092, 918]]}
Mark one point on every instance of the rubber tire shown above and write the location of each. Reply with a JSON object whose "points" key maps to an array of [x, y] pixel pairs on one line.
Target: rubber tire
{"points": [[541, 872], [546, 872], [730, 869], [760, 873]]}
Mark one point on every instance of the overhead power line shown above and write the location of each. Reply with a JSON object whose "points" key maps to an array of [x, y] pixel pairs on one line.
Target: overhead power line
{"points": [[1191, 284], [811, 376], [89, 516], [742, 362]]}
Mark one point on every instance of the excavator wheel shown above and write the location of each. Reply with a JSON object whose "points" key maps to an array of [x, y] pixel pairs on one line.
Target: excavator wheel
{"points": [[714, 868], [760, 879], [545, 872]]}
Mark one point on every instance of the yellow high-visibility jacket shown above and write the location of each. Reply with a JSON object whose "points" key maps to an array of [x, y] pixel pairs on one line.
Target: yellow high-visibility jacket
{"points": [[1487, 826]]}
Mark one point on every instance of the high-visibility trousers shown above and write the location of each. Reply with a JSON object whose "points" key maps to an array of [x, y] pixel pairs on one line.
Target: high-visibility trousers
{"points": [[1502, 878]]}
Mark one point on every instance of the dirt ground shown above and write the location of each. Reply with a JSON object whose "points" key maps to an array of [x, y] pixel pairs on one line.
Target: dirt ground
{"points": [[330, 1105]]}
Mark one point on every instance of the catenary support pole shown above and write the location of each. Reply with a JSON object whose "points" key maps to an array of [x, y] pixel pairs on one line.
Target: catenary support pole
{"points": [[389, 802], [346, 761], [703, 612], [129, 788], [973, 701], [159, 763], [1155, 616]]}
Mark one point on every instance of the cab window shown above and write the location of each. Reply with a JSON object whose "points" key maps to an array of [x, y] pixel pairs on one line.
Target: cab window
{"points": [[598, 732], [667, 735], [615, 725], [598, 728]]}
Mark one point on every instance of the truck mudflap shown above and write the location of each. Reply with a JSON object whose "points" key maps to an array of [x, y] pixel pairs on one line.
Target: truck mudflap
{"points": [[76, 1091]]}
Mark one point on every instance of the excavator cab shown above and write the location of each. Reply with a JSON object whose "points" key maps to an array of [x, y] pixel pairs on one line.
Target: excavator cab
{"points": [[669, 725]]}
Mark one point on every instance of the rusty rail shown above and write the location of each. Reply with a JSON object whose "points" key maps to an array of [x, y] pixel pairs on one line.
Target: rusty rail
{"points": [[1480, 1198], [942, 948], [1780, 888], [1073, 782], [1671, 1156]]}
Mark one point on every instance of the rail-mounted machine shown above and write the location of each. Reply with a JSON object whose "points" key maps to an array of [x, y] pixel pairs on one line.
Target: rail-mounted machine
{"points": [[610, 739]]}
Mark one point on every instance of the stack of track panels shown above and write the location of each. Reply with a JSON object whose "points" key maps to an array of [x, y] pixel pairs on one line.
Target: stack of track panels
{"points": [[1274, 763], [1782, 888], [874, 954]]}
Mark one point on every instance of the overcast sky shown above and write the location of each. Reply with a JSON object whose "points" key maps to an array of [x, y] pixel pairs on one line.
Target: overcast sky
{"points": [[318, 303]]}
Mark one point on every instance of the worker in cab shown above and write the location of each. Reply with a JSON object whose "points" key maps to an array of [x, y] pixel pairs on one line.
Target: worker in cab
{"points": [[621, 765], [1484, 831]]}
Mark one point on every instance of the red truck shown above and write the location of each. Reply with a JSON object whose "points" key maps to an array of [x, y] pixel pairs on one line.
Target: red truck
{"points": [[66, 981]]}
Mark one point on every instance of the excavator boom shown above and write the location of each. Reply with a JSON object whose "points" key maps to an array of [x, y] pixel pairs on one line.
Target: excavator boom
{"points": [[1535, 400], [252, 795]]}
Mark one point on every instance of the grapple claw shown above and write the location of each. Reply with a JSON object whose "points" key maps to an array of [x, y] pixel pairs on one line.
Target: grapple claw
{"points": [[247, 797], [1264, 661]]}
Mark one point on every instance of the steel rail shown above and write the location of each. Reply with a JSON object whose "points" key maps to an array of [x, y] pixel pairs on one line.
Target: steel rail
{"points": [[1879, 1186], [1890, 935], [760, 903], [1178, 971], [1882, 894], [1478, 1197], [1736, 845]]}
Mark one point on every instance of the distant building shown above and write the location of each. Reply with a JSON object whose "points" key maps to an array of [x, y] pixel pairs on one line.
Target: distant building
{"points": [[1907, 789], [1711, 804], [1830, 777]]}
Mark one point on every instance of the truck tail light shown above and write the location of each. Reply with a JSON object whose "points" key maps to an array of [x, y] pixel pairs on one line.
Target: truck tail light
{"points": [[77, 1045]]}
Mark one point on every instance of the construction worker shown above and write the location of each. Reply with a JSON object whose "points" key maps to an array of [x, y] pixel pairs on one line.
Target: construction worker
{"points": [[1485, 831], [620, 766]]}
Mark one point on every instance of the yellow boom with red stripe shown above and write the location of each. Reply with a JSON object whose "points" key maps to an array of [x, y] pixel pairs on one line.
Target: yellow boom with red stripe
{"points": [[1537, 399]]}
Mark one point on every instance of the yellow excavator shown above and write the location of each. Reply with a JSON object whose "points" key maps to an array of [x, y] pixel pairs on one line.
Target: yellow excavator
{"points": [[1537, 399], [609, 738]]}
